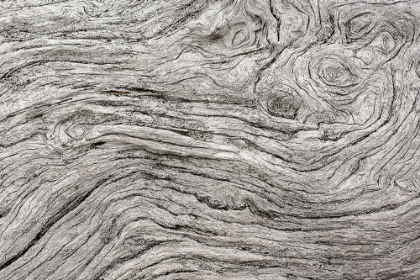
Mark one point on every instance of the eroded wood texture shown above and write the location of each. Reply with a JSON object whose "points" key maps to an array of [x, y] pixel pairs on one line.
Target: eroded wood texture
{"points": [[192, 139]]}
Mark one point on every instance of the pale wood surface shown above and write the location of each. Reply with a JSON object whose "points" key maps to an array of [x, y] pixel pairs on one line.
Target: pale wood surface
{"points": [[192, 139]]}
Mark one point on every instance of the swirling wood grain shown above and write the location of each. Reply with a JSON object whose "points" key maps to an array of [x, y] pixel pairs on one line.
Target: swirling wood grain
{"points": [[235, 139]]}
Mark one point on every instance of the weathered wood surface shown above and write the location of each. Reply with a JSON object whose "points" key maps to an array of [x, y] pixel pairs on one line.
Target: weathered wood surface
{"points": [[193, 139]]}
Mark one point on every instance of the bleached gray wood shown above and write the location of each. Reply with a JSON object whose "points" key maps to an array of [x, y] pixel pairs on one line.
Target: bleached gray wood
{"points": [[204, 139]]}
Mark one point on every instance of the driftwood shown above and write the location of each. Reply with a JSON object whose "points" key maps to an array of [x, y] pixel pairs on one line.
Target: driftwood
{"points": [[193, 139]]}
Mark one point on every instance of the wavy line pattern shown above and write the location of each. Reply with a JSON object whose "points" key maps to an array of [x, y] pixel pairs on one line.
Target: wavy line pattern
{"points": [[243, 139]]}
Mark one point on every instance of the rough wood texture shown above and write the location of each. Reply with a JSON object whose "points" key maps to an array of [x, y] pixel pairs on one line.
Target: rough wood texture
{"points": [[193, 139]]}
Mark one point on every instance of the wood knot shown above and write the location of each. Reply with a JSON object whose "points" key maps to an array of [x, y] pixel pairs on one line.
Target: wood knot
{"points": [[284, 105]]}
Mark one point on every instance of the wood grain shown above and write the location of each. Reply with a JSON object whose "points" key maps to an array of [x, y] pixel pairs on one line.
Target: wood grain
{"points": [[235, 139]]}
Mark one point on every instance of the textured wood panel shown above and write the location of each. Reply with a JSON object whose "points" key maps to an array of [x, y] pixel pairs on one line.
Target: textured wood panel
{"points": [[204, 139]]}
